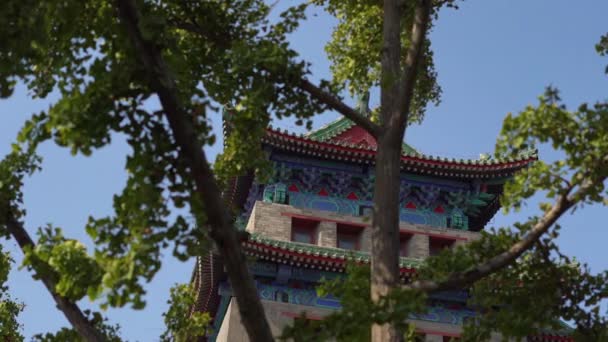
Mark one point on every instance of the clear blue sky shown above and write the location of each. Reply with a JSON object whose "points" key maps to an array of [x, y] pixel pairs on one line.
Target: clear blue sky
{"points": [[493, 57]]}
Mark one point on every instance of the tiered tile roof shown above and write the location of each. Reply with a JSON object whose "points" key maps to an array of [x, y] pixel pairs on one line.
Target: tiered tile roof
{"points": [[411, 161], [338, 130], [344, 141], [315, 257]]}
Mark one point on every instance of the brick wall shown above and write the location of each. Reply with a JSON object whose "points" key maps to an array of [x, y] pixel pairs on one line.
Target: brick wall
{"points": [[266, 219], [418, 246], [327, 234], [274, 221]]}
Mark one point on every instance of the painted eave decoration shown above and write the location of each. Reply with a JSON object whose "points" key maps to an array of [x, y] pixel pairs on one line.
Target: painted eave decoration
{"points": [[352, 145], [313, 256]]}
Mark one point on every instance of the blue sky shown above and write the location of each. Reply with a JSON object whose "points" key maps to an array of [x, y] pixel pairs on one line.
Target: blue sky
{"points": [[493, 57]]}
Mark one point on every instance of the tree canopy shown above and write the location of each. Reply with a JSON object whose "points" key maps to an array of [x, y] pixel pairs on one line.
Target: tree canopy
{"points": [[155, 71]]}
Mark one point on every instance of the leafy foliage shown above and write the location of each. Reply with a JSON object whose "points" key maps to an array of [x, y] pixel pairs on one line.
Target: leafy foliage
{"points": [[352, 322], [181, 322], [559, 286], [229, 53], [220, 52], [67, 260], [582, 136], [10, 329], [356, 45], [13, 168], [111, 333]]}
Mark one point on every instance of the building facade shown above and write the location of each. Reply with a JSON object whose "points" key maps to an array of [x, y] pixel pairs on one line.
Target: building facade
{"points": [[313, 217]]}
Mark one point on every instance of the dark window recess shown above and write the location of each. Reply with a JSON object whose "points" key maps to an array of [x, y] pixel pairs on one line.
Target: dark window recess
{"points": [[404, 241], [348, 241], [304, 231], [450, 339], [349, 236], [436, 245]]}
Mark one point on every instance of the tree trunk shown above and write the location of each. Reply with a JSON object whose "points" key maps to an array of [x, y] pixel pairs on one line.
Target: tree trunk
{"points": [[396, 93], [385, 227], [385, 223], [207, 190]]}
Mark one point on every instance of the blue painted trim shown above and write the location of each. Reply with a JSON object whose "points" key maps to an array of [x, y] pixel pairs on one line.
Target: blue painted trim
{"points": [[439, 312]]}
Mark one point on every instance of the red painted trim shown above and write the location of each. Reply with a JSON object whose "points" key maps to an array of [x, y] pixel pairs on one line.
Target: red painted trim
{"points": [[337, 261], [317, 218], [330, 148], [296, 254], [324, 145]]}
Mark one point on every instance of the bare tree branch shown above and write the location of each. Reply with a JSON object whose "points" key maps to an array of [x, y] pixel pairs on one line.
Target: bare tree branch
{"points": [[583, 317], [463, 279], [390, 87], [70, 310], [219, 221], [316, 92], [336, 104], [422, 18]]}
